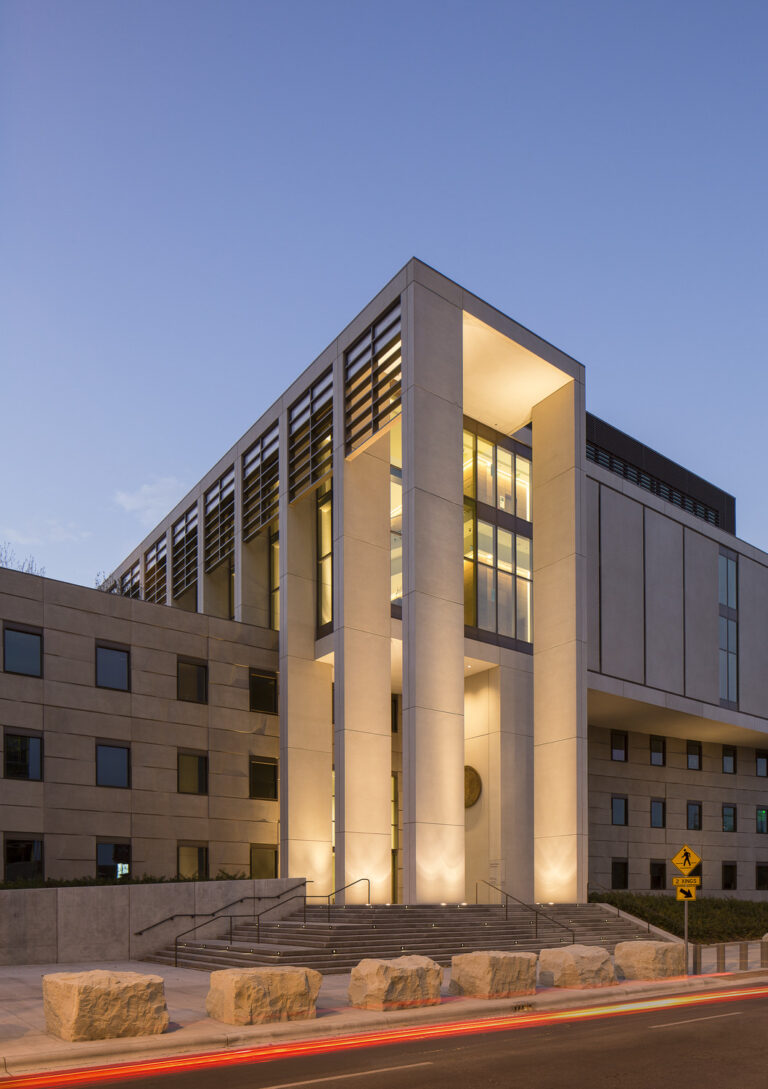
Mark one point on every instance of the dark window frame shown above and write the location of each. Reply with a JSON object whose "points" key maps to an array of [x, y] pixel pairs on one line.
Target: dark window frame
{"points": [[761, 820], [694, 751], [660, 865], [114, 649], [22, 629], [625, 800], [761, 760], [267, 761], [115, 862], [266, 675], [616, 864], [193, 755], [272, 847], [29, 735], [662, 802], [733, 808], [662, 751], [729, 876], [729, 753], [198, 663], [113, 745], [696, 827], [625, 747], [761, 876], [17, 838], [199, 846]]}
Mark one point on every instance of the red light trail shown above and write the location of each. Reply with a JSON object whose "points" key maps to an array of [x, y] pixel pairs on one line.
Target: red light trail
{"points": [[356, 1041]]}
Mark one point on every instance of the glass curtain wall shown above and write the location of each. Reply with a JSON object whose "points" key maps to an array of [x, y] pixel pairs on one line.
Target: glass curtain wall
{"points": [[498, 531], [324, 556]]}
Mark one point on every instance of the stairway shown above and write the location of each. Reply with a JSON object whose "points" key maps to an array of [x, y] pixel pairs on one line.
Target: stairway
{"points": [[335, 941]]}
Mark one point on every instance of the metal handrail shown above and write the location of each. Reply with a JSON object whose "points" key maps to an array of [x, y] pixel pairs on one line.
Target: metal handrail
{"points": [[529, 907], [327, 896], [211, 914]]}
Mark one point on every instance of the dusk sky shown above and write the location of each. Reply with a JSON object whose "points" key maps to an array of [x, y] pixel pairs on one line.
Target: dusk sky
{"points": [[195, 198]]}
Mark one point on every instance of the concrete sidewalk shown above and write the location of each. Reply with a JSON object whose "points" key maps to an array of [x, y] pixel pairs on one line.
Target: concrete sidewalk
{"points": [[25, 1047]]}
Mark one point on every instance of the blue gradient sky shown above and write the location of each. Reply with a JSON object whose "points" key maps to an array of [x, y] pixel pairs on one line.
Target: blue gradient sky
{"points": [[196, 197]]}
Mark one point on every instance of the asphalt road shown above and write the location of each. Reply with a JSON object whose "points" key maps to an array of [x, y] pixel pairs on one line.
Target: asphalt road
{"points": [[722, 1045]]}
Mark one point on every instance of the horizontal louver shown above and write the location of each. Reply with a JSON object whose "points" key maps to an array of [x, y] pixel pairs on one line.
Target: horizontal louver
{"points": [[260, 483], [652, 484], [373, 379], [310, 436], [155, 573], [130, 581], [220, 521], [184, 552]]}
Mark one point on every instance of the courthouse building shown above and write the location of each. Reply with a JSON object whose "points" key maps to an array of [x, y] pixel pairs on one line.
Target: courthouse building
{"points": [[427, 623]]}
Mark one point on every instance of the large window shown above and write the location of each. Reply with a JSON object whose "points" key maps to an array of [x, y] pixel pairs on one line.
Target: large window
{"points": [[262, 691], [113, 860], [658, 751], [761, 763], [729, 818], [324, 556], [761, 877], [23, 757], [498, 561], [192, 861], [728, 627], [761, 820], [730, 876], [729, 760], [23, 652], [112, 668], [192, 681], [658, 873], [694, 816], [192, 773], [619, 873], [24, 860], [262, 778], [693, 755], [658, 813], [619, 809], [113, 766], [618, 745]]}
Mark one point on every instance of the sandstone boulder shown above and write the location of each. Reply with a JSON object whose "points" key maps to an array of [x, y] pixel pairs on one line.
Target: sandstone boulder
{"points": [[493, 974], [253, 996], [395, 984], [649, 960], [101, 1005], [576, 966]]}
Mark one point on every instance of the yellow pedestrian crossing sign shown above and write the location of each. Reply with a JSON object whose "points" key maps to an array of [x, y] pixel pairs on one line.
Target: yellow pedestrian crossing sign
{"points": [[686, 860], [684, 893]]}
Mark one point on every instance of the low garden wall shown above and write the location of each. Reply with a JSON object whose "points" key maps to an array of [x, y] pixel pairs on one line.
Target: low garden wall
{"points": [[100, 922]]}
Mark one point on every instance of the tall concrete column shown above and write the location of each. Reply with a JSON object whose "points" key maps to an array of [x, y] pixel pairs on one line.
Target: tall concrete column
{"points": [[433, 600], [306, 732], [363, 725], [560, 647]]}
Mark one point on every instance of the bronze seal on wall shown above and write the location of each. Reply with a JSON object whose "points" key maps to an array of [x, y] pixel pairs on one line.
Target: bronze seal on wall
{"points": [[473, 786]]}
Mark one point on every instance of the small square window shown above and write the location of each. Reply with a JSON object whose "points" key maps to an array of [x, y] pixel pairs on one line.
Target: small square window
{"points": [[23, 652], [658, 751], [24, 859], [658, 813], [192, 773], [619, 873], [113, 766], [112, 669], [192, 861], [263, 692], [262, 778], [729, 818], [658, 874], [694, 817], [618, 809], [729, 760], [761, 877], [618, 745], [693, 751], [192, 681], [761, 822], [263, 861], [761, 763], [23, 757], [729, 876], [113, 860]]}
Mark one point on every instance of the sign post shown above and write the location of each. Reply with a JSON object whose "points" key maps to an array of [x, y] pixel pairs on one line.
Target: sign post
{"points": [[686, 861]]}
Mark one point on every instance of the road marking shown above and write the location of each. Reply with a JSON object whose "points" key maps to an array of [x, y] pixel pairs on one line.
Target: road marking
{"points": [[338, 1077], [691, 1020]]}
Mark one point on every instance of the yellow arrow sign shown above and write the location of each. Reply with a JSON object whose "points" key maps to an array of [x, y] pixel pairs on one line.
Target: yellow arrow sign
{"points": [[686, 882], [686, 860], [685, 894]]}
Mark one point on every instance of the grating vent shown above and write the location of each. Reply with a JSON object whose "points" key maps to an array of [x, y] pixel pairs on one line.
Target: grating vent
{"points": [[184, 552], [130, 581], [155, 572], [220, 521], [373, 377], [651, 484], [260, 483], [310, 436]]}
